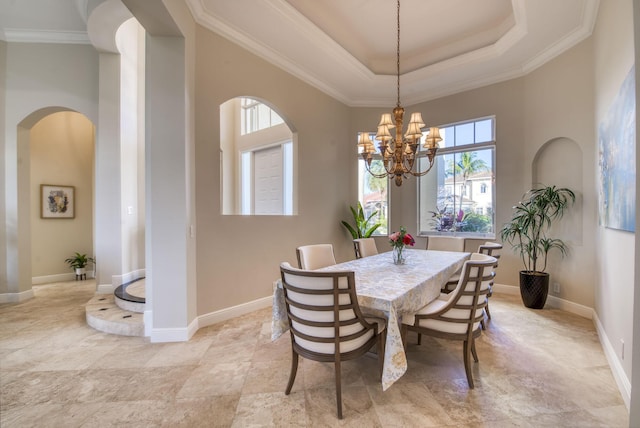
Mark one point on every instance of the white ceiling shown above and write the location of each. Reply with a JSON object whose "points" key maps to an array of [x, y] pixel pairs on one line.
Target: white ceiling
{"points": [[347, 48]]}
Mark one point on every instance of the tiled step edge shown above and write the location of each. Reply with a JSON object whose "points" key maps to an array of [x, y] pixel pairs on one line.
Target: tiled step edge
{"points": [[126, 305], [104, 315]]}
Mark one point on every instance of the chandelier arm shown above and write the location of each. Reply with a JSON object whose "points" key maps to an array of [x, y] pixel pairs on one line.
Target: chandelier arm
{"points": [[420, 174], [381, 174]]}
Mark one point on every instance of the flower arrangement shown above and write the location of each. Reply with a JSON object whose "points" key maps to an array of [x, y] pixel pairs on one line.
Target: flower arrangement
{"points": [[398, 241]]}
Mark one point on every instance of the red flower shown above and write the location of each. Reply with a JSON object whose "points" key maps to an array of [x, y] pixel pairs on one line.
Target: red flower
{"points": [[408, 240]]}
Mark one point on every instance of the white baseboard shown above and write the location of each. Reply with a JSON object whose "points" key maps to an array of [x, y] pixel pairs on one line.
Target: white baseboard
{"points": [[105, 288], [552, 301], [60, 277], [574, 308], [623, 382], [234, 311], [164, 335], [506, 289], [118, 280], [16, 297]]}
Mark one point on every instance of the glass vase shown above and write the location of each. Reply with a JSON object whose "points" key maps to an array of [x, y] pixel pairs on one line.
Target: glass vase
{"points": [[398, 255]]}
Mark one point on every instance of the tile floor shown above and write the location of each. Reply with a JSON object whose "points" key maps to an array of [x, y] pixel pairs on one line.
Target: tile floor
{"points": [[537, 369]]}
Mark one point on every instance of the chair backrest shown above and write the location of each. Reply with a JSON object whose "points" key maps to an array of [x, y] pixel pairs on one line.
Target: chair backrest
{"points": [[445, 243], [324, 316], [492, 249], [316, 256], [365, 247], [464, 309]]}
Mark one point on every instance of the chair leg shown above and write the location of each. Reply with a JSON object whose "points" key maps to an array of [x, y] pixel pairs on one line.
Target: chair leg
{"points": [[466, 350], [338, 389], [294, 370], [419, 338], [473, 350], [486, 309]]}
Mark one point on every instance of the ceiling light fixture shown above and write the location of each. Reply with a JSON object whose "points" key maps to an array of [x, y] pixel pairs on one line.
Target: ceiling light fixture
{"points": [[399, 154]]}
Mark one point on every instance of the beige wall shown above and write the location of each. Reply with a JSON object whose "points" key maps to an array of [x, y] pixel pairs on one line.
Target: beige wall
{"points": [[3, 231], [559, 146], [614, 57], [238, 257], [40, 79], [62, 150]]}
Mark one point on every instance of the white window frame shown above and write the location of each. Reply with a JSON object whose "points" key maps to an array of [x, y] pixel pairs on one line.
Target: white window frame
{"points": [[362, 167], [454, 149]]}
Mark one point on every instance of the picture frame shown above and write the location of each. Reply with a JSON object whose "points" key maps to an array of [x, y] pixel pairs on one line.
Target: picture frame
{"points": [[57, 201]]}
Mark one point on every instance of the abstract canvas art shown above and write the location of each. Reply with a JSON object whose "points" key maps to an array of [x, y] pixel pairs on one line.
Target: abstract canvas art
{"points": [[617, 160], [57, 201]]}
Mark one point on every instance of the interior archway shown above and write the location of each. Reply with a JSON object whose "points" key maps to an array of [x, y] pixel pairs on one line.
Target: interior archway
{"points": [[56, 147]]}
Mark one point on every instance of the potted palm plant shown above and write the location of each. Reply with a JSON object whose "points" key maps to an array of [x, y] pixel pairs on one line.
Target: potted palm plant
{"points": [[527, 233], [79, 263]]}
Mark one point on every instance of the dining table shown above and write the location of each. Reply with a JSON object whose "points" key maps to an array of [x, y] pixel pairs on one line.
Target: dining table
{"points": [[388, 290]]}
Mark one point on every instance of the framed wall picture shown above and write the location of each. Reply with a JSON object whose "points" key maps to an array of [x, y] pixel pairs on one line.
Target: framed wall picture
{"points": [[57, 201]]}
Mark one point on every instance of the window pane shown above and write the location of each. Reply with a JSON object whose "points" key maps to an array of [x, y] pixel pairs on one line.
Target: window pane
{"points": [[448, 137], [484, 131], [373, 195], [457, 195], [464, 134]]}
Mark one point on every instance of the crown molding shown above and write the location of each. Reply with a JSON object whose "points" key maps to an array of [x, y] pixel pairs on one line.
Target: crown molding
{"points": [[46, 36], [587, 21]]}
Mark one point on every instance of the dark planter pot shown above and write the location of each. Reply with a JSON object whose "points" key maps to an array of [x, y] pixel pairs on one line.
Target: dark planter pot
{"points": [[534, 287]]}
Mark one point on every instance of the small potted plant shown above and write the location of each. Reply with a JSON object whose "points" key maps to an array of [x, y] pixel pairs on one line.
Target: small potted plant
{"points": [[527, 233], [79, 263]]}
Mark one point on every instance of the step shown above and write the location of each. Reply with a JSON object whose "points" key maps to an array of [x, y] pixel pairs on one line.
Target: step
{"points": [[104, 315], [128, 305]]}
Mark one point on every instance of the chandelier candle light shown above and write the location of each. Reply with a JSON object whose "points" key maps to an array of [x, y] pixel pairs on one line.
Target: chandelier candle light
{"points": [[399, 153]]}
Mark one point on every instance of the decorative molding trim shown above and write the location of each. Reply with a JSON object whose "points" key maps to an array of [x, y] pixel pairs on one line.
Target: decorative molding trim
{"points": [[50, 36], [234, 311], [588, 22], [623, 382], [16, 297]]}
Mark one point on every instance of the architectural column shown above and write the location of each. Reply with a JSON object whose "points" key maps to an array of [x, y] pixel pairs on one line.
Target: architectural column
{"points": [[108, 209]]}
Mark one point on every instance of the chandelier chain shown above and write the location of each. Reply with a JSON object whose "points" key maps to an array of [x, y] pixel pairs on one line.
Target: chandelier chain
{"points": [[398, 55]]}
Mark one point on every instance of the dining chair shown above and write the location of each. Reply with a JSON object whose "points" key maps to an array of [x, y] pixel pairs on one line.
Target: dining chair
{"points": [[316, 256], [326, 323], [493, 249], [458, 316], [445, 243], [365, 247]]}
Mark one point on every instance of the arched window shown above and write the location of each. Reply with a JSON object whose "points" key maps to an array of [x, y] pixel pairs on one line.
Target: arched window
{"points": [[257, 167]]}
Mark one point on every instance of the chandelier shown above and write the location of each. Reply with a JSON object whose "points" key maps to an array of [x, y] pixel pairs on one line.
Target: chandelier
{"points": [[399, 153]]}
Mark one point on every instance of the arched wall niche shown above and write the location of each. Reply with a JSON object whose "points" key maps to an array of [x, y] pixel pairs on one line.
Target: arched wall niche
{"points": [[263, 156], [559, 162]]}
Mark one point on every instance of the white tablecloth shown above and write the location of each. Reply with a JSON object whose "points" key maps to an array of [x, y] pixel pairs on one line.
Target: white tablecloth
{"points": [[389, 290]]}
